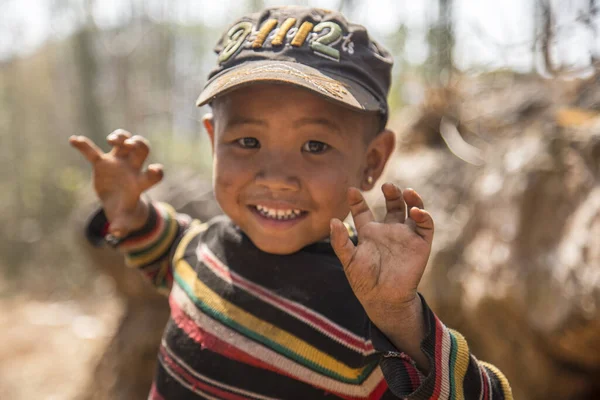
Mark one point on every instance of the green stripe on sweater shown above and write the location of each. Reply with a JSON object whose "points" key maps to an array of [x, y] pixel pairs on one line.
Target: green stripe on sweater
{"points": [[270, 344]]}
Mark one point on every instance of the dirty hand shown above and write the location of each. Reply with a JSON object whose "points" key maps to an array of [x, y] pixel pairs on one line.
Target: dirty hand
{"points": [[119, 179], [386, 266]]}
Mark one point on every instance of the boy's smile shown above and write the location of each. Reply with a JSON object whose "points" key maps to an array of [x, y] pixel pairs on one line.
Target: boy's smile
{"points": [[284, 159]]}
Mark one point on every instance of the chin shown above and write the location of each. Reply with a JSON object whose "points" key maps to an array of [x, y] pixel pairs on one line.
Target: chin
{"points": [[277, 248]]}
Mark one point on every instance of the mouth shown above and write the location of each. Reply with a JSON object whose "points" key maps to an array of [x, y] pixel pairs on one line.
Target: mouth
{"points": [[278, 214]]}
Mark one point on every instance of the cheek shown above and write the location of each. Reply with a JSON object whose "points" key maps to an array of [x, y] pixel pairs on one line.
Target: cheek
{"points": [[330, 186], [229, 173]]}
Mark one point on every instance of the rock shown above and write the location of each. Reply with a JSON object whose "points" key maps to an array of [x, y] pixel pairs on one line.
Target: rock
{"points": [[516, 260]]}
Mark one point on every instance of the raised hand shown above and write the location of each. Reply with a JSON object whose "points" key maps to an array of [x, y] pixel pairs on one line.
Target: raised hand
{"points": [[385, 268], [119, 179]]}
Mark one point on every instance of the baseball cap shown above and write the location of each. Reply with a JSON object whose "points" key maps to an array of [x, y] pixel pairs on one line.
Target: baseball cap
{"points": [[312, 48]]}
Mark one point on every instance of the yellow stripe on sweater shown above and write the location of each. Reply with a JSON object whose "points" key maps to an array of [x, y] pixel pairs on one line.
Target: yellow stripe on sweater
{"points": [[507, 391], [162, 246], [254, 324], [462, 363]]}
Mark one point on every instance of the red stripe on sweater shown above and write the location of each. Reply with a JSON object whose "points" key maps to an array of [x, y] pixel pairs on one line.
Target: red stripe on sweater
{"points": [[485, 387], [209, 342], [148, 236], [154, 395], [212, 343], [169, 275], [286, 304], [415, 382], [376, 393], [105, 229], [196, 383]]}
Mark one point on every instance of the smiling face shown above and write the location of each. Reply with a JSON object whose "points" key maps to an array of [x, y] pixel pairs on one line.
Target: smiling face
{"points": [[284, 159]]}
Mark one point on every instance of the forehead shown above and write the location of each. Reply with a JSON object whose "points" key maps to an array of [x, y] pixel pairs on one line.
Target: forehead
{"points": [[285, 102]]}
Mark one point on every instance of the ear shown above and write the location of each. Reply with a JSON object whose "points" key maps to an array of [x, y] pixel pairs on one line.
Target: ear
{"points": [[209, 124], [378, 153]]}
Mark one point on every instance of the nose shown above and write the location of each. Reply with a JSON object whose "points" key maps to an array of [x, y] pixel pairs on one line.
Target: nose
{"points": [[278, 173]]}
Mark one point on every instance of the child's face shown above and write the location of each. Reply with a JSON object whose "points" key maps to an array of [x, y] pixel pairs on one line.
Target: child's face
{"points": [[284, 159]]}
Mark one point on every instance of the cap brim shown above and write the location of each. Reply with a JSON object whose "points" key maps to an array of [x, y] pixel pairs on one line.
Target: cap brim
{"points": [[326, 84]]}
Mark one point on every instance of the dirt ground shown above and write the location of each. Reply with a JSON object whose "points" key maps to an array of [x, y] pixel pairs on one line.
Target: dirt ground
{"points": [[48, 349]]}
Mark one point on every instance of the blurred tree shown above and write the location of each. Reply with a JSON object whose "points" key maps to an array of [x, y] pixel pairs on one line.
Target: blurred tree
{"points": [[546, 25], [346, 6], [439, 65], [87, 66], [15, 150], [256, 5], [549, 33]]}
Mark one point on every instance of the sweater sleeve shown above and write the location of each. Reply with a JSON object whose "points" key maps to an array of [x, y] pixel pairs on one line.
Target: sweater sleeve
{"points": [[454, 373], [150, 248]]}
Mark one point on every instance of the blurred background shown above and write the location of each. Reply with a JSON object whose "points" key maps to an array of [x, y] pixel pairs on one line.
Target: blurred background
{"points": [[497, 110]]}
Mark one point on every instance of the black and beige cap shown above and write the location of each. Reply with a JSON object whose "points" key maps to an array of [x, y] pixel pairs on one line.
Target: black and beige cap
{"points": [[313, 48]]}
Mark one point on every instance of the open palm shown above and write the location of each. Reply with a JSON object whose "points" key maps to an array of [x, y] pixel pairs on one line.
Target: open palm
{"points": [[119, 178], [385, 268]]}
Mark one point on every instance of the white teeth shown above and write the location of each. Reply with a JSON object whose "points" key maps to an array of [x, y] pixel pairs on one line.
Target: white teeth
{"points": [[278, 214]]}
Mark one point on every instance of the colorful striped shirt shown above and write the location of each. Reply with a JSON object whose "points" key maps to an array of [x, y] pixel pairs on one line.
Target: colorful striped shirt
{"points": [[246, 324]]}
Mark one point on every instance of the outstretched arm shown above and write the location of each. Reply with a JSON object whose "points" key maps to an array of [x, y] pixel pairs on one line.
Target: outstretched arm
{"points": [[386, 266], [119, 178], [422, 359], [145, 232]]}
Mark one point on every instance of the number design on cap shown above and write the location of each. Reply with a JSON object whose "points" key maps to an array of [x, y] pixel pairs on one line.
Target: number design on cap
{"points": [[302, 34], [283, 30], [263, 33], [236, 37], [321, 45], [323, 37]]}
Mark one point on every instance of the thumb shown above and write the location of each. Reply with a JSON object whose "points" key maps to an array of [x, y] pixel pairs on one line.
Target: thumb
{"points": [[340, 241], [117, 228], [125, 223], [423, 223], [153, 174]]}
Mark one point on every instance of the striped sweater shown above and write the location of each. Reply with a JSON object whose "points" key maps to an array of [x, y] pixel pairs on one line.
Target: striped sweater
{"points": [[246, 324]]}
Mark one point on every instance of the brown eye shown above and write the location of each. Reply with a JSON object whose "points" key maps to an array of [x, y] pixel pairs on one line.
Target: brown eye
{"points": [[248, 143], [315, 147]]}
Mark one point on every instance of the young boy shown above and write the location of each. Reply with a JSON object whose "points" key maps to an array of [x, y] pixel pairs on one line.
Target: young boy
{"points": [[277, 299]]}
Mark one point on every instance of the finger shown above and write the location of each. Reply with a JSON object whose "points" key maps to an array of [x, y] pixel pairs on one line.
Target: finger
{"points": [[361, 213], [394, 203], [153, 174], [340, 241], [413, 199], [87, 148], [116, 140], [423, 223], [140, 148]]}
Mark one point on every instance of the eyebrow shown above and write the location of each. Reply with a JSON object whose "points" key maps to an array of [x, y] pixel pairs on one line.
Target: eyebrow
{"points": [[239, 120], [319, 121]]}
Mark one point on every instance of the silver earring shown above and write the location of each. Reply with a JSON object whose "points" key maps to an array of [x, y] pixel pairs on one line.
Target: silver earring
{"points": [[369, 179]]}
